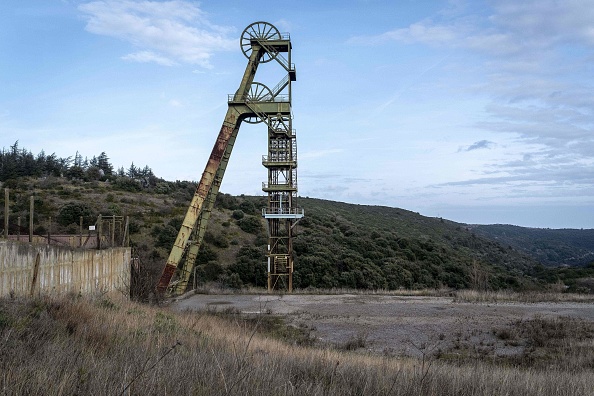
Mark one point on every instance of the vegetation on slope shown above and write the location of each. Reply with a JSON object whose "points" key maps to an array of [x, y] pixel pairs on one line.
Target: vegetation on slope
{"points": [[336, 244], [563, 247], [359, 246]]}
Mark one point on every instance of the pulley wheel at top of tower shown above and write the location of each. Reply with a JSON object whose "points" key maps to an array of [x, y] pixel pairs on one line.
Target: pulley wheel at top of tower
{"points": [[259, 31]]}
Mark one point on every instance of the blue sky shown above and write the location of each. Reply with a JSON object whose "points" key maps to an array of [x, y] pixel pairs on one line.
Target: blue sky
{"points": [[475, 111]]}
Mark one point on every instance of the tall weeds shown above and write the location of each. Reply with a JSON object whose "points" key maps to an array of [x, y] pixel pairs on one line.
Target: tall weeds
{"points": [[469, 295], [73, 346]]}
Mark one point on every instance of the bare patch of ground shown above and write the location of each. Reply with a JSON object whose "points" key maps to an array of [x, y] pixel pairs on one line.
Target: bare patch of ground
{"points": [[409, 325]]}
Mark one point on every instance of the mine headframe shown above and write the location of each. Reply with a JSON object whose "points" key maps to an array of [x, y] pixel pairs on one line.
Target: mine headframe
{"points": [[254, 103]]}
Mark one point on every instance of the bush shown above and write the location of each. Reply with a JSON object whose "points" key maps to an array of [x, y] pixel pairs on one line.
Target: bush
{"points": [[238, 214], [162, 188], [127, 184], [212, 270], [164, 236], [219, 240], [250, 224], [71, 213], [234, 281], [226, 201], [247, 207]]}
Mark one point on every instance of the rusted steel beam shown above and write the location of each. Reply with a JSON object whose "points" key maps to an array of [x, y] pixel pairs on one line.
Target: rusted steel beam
{"points": [[213, 167], [197, 201]]}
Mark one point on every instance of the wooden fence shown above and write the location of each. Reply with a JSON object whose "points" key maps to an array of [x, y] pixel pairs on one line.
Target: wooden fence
{"points": [[31, 269]]}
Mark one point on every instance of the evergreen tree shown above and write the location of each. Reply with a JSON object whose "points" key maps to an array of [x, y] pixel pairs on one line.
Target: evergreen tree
{"points": [[133, 171], [104, 165], [78, 161]]}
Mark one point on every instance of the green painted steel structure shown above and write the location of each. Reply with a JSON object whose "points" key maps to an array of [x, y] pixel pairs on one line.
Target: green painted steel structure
{"points": [[253, 103]]}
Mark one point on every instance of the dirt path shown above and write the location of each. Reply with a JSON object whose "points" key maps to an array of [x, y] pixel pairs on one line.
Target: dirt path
{"points": [[394, 325]]}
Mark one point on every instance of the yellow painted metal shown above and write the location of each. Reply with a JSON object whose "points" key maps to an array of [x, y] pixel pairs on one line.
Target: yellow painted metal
{"points": [[221, 149], [200, 196], [252, 102], [200, 229]]}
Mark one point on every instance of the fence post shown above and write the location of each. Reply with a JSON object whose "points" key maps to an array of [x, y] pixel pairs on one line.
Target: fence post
{"points": [[31, 213], [6, 214], [80, 221], [35, 273], [99, 231], [113, 231], [19, 228], [49, 232], [126, 239]]}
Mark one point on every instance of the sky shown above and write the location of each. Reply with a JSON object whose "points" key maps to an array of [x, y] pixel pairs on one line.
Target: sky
{"points": [[476, 111]]}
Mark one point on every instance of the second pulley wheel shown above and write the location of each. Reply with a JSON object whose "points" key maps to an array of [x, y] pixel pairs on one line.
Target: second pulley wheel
{"points": [[258, 93]]}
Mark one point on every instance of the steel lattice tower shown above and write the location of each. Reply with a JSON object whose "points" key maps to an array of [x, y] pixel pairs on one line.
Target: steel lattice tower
{"points": [[281, 212]]}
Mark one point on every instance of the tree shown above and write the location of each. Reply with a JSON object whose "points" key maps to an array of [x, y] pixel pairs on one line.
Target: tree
{"points": [[78, 161], [132, 171], [71, 212], [104, 165]]}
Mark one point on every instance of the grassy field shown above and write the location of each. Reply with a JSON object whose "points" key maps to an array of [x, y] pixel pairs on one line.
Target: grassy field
{"points": [[111, 347]]}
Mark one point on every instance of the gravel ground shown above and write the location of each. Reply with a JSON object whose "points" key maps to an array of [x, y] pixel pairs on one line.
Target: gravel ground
{"points": [[393, 325]]}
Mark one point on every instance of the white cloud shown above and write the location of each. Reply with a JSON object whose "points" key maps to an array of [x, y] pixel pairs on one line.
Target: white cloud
{"points": [[319, 153], [547, 22], [537, 75], [512, 27], [166, 33], [148, 56]]}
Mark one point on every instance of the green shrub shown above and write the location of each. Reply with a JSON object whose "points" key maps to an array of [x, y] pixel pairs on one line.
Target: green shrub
{"points": [[238, 214], [127, 184], [71, 213], [250, 224]]}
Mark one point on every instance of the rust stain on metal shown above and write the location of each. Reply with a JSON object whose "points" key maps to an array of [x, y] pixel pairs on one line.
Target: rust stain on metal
{"points": [[166, 277], [195, 208], [208, 185]]}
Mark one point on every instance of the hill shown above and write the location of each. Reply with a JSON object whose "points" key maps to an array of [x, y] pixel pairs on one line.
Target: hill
{"points": [[354, 245], [563, 247], [336, 244]]}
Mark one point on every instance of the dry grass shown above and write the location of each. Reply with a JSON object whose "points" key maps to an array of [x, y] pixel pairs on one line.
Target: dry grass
{"points": [[468, 295], [464, 295], [105, 347], [217, 289]]}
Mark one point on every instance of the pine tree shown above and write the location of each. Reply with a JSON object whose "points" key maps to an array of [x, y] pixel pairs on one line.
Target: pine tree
{"points": [[133, 171], [104, 165]]}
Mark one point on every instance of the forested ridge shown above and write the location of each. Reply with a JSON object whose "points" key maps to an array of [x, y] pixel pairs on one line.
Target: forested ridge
{"points": [[16, 162], [336, 244], [551, 247]]}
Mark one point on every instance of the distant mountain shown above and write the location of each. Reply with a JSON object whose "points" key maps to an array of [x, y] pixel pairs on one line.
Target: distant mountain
{"points": [[551, 247]]}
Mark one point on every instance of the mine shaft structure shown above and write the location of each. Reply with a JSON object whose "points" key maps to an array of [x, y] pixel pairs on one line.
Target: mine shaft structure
{"points": [[254, 103]]}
